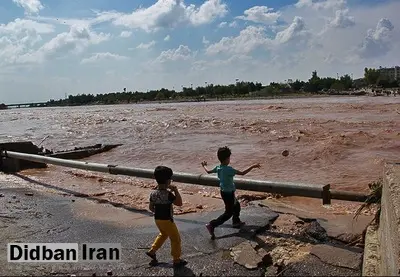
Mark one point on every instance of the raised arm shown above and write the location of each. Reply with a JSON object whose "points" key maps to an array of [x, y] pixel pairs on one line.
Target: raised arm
{"points": [[204, 165], [244, 172], [178, 198]]}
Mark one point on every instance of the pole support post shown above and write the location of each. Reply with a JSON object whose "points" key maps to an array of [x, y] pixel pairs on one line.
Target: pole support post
{"points": [[326, 195]]}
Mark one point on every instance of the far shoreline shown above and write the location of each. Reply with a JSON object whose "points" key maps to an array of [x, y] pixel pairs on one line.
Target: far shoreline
{"points": [[204, 100]]}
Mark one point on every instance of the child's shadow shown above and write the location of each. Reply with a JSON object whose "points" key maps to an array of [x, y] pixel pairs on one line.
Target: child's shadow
{"points": [[181, 271], [245, 232]]}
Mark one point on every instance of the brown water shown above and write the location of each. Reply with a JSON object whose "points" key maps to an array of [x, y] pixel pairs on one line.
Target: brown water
{"points": [[343, 141]]}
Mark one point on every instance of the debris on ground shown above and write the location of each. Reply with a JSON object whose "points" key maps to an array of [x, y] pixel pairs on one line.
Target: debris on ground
{"points": [[250, 255], [315, 231], [288, 241], [348, 259]]}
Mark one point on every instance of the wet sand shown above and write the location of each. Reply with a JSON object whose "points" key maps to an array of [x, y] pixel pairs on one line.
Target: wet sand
{"points": [[342, 141]]}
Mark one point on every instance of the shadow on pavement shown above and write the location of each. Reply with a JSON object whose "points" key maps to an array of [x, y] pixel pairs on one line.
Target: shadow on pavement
{"points": [[104, 201], [82, 195], [243, 233], [183, 271]]}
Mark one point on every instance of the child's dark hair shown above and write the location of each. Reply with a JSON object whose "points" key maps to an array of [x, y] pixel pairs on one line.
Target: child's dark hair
{"points": [[223, 153], [162, 174]]}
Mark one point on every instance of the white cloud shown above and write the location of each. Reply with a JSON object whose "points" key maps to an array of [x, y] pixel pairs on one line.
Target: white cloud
{"points": [[260, 14], [100, 17], [248, 40], [146, 45], [10, 50], [103, 56], [18, 36], [126, 34], [378, 40], [342, 20], [332, 49], [222, 24], [162, 14], [295, 31], [76, 40], [30, 6], [253, 37], [167, 14], [321, 4], [22, 25], [201, 65], [167, 38], [207, 12], [233, 24], [183, 52], [205, 41]]}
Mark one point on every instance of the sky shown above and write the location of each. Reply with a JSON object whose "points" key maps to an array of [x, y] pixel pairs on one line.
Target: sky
{"points": [[53, 48]]}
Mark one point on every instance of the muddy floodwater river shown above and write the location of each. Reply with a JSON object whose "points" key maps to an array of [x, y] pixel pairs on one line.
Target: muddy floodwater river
{"points": [[342, 141]]}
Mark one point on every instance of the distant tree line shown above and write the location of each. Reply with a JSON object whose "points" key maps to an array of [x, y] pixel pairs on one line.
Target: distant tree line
{"points": [[313, 85], [373, 76], [239, 89]]}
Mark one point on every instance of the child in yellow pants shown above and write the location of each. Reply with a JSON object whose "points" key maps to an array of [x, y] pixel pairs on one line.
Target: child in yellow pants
{"points": [[161, 201]]}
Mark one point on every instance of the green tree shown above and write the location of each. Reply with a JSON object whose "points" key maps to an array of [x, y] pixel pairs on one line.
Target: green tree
{"points": [[326, 83], [371, 75], [313, 84], [160, 96], [297, 85], [338, 86], [346, 81]]}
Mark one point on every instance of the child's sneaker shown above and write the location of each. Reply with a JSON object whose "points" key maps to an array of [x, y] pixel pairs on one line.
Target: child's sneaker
{"points": [[180, 263], [210, 230], [153, 263], [153, 257], [238, 224]]}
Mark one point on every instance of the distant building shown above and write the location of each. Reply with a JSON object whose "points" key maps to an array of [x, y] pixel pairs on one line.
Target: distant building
{"points": [[391, 73]]}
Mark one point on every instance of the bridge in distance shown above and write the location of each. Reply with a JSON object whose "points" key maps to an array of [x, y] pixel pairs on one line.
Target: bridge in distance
{"points": [[27, 105]]}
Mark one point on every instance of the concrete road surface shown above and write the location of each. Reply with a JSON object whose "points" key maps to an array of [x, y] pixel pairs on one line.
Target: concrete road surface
{"points": [[33, 216], [51, 218]]}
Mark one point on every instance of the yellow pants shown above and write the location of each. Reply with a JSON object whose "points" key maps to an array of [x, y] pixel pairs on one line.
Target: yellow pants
{"points": [[169, 230]]}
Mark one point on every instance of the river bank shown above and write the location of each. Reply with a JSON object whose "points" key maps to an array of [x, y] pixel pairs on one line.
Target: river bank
{"points": [[191, 100], [244, 98]]}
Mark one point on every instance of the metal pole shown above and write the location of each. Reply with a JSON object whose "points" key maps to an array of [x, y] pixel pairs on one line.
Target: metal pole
{"points": [[283, 188], [348, 196], [314, 191]]}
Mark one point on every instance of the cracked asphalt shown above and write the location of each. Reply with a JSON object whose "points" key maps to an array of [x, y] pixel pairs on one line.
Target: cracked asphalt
{"points": [[51, 218], [32, 216]]}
